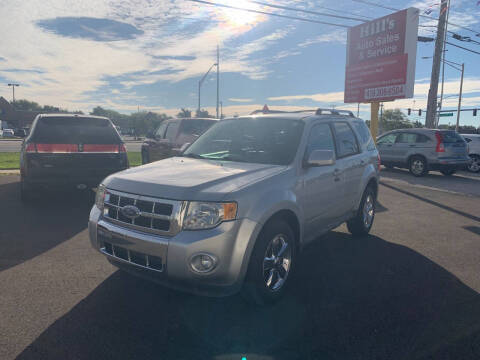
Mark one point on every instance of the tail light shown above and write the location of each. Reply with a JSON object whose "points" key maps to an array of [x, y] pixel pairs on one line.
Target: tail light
{"points": [[31, 148], [379, 161], [100, 148], [121, 148], [440, 146]]}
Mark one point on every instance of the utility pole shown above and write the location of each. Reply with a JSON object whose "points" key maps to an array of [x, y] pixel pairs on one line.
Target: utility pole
{"points": [[221, 109], [358, 110], [13, 92], [437, 56], [440, 104], [200, 85], [218, 79], [460, 98]]}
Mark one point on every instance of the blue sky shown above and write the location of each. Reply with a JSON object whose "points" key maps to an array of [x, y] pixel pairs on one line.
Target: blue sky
{"points": [[151, 54]]}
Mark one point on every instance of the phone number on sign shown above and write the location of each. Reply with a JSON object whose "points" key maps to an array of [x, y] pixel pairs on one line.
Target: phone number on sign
{"points": [[385, 91]]}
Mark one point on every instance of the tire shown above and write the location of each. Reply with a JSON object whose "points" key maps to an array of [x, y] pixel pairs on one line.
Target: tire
{"points": [[474, 166], [448, 172], [361, 224], [264, 283], [145, 158], [418, 166]]}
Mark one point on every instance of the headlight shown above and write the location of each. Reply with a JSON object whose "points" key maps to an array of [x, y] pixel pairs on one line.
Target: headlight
{"points": [[100, 197], [206, 215]]}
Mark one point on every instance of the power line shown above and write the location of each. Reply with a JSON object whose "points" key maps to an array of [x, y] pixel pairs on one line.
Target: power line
{"points": [[271, 14], [306, 11], [464, 48], [421, 15]]}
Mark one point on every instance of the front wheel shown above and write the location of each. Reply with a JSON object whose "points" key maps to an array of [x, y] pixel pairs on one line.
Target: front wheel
{"points": [[475, 164], [362, 222], [448, 172], [271, 264]]}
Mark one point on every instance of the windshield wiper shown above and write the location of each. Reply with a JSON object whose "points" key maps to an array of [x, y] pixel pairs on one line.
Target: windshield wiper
{"points": [[193, 156]]}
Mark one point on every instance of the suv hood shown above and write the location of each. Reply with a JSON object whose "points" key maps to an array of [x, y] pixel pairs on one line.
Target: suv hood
{"points": [[182, 178]]}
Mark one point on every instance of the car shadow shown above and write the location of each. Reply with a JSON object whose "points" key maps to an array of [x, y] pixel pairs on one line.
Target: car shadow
{"points": [[351, 298], [29, 229]]}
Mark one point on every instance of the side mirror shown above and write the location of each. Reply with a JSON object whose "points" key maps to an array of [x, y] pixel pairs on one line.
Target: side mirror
{"points": [[320, 158]]}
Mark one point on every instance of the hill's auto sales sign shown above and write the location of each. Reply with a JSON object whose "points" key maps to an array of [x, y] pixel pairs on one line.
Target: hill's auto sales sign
{"points": [[381, 58]]}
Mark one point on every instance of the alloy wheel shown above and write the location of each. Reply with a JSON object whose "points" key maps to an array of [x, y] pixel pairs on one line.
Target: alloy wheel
{"points": [[277, 262]]}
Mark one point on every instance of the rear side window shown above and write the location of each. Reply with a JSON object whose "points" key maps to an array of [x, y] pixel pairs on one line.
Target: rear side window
{"points": [[191, 129], [172, 130], [346, 143], [422, 138], [364, 133], [451, 137], [75, 130], [387, 139], [406, 138]]}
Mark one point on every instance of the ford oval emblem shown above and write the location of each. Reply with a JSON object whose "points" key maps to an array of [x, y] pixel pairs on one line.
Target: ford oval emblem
{"points": [[130, 211]]}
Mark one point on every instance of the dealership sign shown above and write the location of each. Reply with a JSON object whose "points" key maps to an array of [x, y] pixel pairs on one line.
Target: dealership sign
{"points": [[381, 58]]}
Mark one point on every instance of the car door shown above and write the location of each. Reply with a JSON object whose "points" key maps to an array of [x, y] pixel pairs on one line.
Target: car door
{"points": [[323, 186], [405, 143], [385, 147], [349, 161], [154, 145]]}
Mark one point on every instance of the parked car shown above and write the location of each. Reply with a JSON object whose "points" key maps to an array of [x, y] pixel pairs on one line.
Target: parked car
{"points": [[473, 141], [8, 133], [20, 133], [69, 151], [234, 209], [171, 135], [422, 150]]}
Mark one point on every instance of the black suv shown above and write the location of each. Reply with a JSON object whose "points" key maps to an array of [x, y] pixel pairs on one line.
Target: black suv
{"points": [[70, 151]]}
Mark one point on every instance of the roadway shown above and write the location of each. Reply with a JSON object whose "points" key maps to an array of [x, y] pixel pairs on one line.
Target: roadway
{"points": [[410, 290]]}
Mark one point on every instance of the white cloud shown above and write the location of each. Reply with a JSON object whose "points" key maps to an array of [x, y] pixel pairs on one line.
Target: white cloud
{"points": [[240, 100], [337, 36]]}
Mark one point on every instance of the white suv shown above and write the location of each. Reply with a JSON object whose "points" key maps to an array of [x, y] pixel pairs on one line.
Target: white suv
{"points": [[233, 211]]}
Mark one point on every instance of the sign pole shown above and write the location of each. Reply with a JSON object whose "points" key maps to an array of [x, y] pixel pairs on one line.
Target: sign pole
{"points": [[374, 120]]}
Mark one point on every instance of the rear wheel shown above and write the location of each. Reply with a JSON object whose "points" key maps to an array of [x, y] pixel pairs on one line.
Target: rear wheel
{"points": [[362, 222], [418, 166], [475, 164], [271, 264], [448, 172]]}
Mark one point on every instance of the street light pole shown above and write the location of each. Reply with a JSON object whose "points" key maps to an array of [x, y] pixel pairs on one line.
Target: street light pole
{"points": [[201, 82], [218, 79], [13, 91], [460, 98]]}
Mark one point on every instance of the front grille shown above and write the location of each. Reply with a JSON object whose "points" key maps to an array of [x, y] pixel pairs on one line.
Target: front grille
{"points": [[158, 216], [143, 260]]}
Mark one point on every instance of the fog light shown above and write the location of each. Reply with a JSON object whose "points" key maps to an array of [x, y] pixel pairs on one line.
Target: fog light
{"points": [[203, 263]]}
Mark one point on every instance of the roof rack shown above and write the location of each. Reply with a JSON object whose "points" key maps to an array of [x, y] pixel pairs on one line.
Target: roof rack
{"points": [[321, 111]]}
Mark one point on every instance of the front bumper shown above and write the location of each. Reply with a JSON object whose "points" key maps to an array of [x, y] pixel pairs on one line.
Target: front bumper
{"points": [[230, 243]]}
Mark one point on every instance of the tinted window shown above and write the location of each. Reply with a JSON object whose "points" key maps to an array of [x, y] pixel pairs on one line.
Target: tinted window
{"points": [[190, 130], [320, 138], [387, 139], [75, 130], [172, 130], [422, 138], [345, 139], [364, 133], [451, 137], [161, 130], [252, 140], [406, 138]]}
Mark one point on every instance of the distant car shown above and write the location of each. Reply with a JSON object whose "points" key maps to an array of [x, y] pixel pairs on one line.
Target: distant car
{"points": [[69, 151], [473, 141], [8, 133], [422, 150], [169, 138], [20, 133]]}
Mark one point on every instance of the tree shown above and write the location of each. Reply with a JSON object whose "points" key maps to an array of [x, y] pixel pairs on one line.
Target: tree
{"points": [[184, 113], [203, 114]]}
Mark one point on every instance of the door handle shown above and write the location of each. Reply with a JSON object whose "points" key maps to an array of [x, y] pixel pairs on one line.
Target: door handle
{"points": [[389, 145], [412, 145]]}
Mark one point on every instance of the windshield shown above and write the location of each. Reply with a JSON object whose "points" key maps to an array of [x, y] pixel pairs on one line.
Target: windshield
{"points": [[252, 140]]}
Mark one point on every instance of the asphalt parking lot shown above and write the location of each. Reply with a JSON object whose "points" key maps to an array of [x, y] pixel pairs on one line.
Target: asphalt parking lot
{"points": [[410, 290]]}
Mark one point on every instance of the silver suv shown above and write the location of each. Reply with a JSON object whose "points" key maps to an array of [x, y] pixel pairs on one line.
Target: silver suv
{"points": [[236, 207], [422, 150], [473, 141]]}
